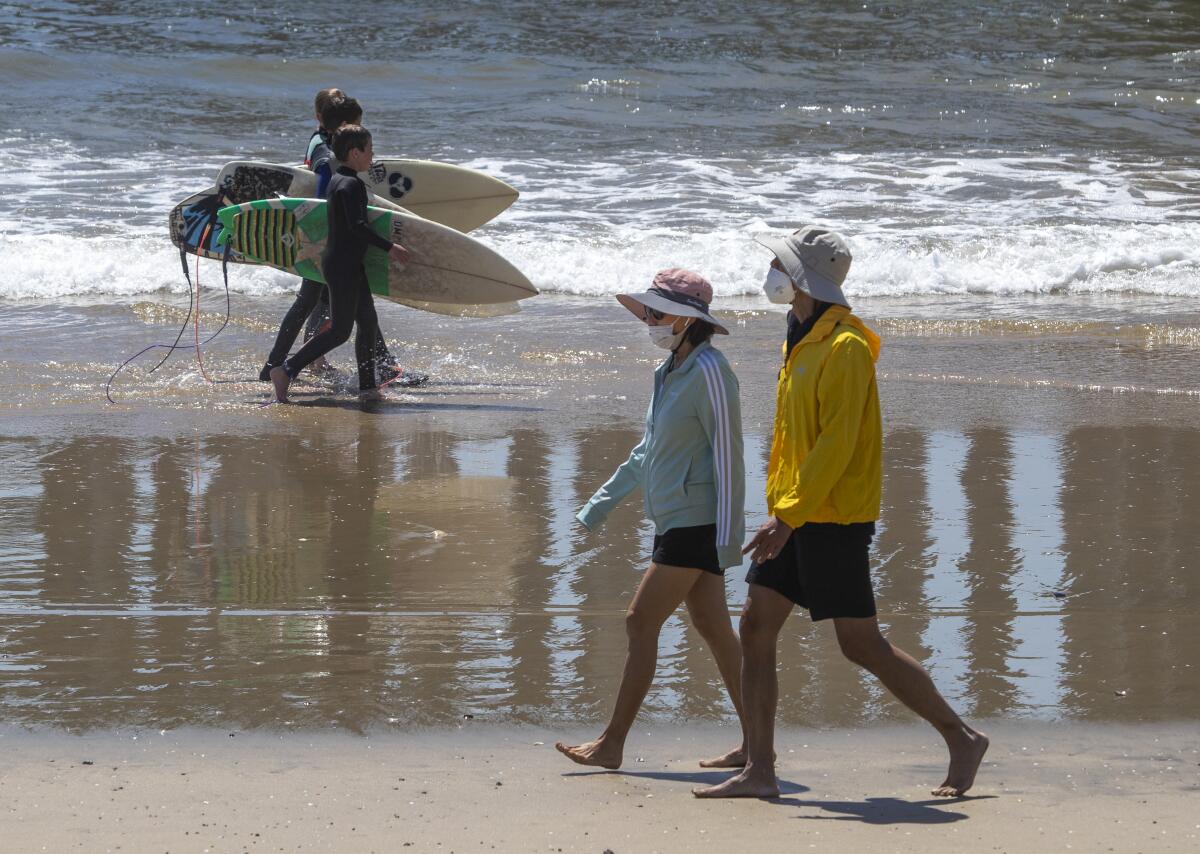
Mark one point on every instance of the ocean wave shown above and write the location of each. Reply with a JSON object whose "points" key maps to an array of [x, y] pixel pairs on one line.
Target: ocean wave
{"points": [[967, 223], [42, 267], [1161, 260]]}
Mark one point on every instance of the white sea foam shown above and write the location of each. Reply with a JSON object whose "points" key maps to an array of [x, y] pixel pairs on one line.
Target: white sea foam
{"points": [[918, 224], [1160, 260], [54, 266]]}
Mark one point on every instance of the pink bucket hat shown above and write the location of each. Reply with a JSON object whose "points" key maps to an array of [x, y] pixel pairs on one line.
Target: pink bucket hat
{"points": [[676, 291]]}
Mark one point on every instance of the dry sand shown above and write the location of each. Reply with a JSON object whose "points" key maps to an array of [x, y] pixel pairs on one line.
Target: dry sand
{"points": [[1044, 787]]}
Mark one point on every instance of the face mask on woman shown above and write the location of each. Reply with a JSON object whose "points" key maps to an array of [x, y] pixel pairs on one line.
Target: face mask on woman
{"points": [[778, 287], [662, 336]]}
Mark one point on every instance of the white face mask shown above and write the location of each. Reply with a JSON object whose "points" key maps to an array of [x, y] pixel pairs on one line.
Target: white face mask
{"points": [[662, 336], [778, 287]]}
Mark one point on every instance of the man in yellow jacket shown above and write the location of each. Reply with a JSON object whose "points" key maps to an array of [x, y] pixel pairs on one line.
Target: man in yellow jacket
{"points": [[823, 493]]}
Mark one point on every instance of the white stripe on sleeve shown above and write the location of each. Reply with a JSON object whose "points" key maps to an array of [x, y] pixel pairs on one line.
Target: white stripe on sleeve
{"points": [[722, 451]]}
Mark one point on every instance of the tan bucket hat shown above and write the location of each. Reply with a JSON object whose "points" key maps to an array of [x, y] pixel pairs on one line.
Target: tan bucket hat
{"points": [[815, 259]]}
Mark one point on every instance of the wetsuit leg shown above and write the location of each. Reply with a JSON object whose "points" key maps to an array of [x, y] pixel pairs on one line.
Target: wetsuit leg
{"points": [[319, 315], [383, 356], [367, 337], [343, 306], [308, 296]]}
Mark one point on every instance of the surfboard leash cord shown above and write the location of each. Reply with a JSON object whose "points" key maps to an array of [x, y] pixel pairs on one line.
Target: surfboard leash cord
{"points": [[196, 314], [193, 302]]}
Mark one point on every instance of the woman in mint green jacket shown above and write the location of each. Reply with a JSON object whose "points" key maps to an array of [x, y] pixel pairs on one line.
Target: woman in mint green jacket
{"points": [[690, 469]]}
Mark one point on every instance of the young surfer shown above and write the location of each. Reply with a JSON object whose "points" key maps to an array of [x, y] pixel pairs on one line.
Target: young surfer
{"points": [[342, 265], [690, 469], [318, 314], [323, 100], [312, 300], [335, 109]]}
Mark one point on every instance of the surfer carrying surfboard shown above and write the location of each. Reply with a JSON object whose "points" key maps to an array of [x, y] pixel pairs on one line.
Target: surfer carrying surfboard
{"points": [[689, 467], [334, 109], [342, 265]]}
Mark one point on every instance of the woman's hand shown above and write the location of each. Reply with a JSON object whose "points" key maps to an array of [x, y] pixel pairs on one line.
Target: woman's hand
{"points": [[769, 541]]}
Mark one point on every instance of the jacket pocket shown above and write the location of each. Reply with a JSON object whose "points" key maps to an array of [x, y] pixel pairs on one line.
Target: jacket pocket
{"points": [[683, 481]]}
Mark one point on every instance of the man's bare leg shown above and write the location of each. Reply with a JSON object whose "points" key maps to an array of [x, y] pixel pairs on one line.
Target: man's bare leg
{"points": [[709, 613], [764, 616], [662, 590], [280, 380], [863, 643]]}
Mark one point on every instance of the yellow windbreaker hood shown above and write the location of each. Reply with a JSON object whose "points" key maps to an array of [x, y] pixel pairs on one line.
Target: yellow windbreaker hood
{"points": [[826, 456]]}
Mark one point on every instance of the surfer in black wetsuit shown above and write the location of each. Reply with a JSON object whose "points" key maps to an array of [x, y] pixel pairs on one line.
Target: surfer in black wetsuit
{"points": [[342, 265], [334, 109]]}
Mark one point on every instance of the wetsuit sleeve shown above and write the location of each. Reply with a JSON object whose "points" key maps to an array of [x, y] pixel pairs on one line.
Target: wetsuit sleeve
{"points": [[842, 393], [310, 149], [720, 415], [320, 161], [323, 173], [625, 480], [350, 202]]}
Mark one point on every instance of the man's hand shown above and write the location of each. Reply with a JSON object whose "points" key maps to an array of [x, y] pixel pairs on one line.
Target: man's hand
{"points": [[769, 541], [399, 254]]}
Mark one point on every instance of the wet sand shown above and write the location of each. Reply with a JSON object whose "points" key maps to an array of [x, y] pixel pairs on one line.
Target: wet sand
{"points": [[296, 575], [1087, 787], [188, 557]]}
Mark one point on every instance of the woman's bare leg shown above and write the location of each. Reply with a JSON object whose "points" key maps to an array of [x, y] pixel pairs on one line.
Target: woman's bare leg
{"points": [[662, 590], [709, 611]]}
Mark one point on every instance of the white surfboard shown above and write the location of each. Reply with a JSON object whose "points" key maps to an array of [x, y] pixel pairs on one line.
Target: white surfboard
{"points": [[461, 198]]}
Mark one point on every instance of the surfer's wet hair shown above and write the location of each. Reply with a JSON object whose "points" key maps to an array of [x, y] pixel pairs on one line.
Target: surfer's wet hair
{"points": [[341, 111], [347, 138], [324, 99]]}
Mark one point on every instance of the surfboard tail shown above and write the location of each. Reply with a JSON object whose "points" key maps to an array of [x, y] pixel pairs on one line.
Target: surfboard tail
{"points": [[225, 218]]}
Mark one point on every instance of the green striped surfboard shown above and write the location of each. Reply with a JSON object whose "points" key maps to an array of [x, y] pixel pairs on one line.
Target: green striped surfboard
{"points": [[447, 267]]}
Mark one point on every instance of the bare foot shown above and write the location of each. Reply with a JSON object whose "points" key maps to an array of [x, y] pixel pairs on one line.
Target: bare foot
{"points": [[596, 753], [748, 784], [966, 752], [370, 394], [735, 758], [281, 381]]}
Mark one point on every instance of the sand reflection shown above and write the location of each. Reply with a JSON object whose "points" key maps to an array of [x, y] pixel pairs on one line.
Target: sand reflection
{"points": [[358, 576]]}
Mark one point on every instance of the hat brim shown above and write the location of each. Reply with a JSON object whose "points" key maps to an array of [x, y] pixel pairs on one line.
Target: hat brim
{"points": [[635, 302], [806, 278]]}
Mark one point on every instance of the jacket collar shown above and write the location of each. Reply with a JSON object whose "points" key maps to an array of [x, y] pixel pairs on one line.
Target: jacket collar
{"points": [[834, 315], [688, 363], [823, 328]]}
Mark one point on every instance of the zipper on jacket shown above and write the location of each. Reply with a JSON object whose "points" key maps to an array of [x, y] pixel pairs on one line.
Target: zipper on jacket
{"points": [[660, 384]]}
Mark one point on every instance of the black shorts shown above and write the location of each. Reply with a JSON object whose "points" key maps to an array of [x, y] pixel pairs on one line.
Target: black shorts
{"points": [[824, 567], [694, 548]]}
